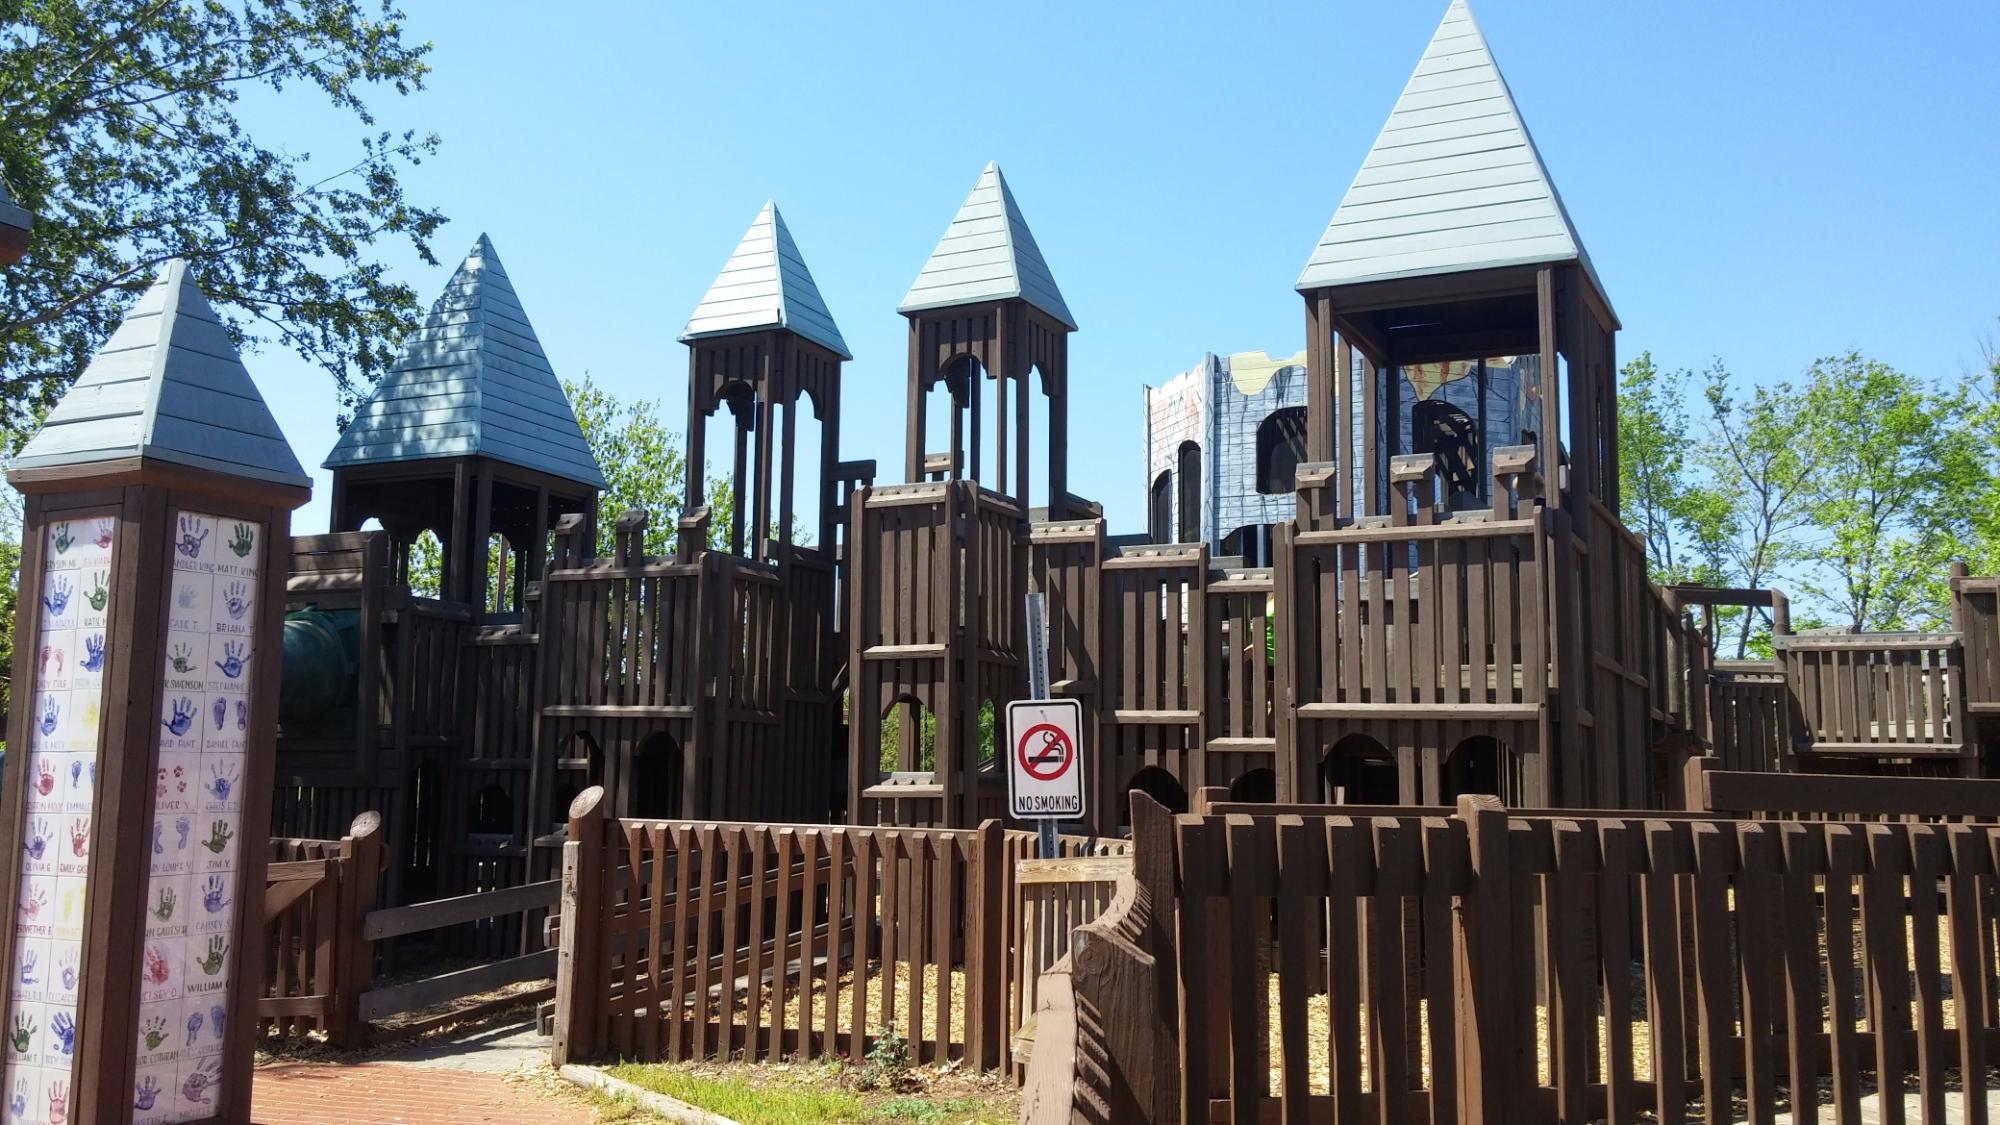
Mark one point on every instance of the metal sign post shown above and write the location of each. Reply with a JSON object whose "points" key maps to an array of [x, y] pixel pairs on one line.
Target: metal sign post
{"points": [[1032, 770]]}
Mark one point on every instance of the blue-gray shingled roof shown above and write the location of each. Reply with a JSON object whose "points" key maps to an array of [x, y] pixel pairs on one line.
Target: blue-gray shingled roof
{"points": [[1453, 183], [167, 386], [472, 380], [987, 254], [765, 284]]}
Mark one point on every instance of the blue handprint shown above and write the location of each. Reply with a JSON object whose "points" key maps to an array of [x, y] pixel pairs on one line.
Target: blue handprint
{"points": [[221, 782], [220, 711], [183, 717], [157, 848], [75, 774], [183, 826], [235, 655], [146, 1093], [190, 544], [38, 841], [184, 596], [65, 1028], [194, 1027], [242, 714], [56, 601], [51, 715], [93, 652], [215, 1020], [17, 1106], [236, 599], [28, 976], [68, 963], [212, 896]]}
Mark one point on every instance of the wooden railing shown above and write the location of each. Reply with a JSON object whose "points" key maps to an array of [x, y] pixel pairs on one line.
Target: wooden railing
{"points": [[1976, 618], [1056, 897], [1878, 693], [1802, 796], [694, 940], [316, 962]]}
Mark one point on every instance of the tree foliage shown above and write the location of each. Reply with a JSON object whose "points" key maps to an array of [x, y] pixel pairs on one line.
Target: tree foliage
{"points": [[123, 135], [643, 467]]}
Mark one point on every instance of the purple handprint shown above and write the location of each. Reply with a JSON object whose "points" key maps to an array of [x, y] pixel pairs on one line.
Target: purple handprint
{"points": [[146, 1093], [183, 826], [215, 1020], [235, 655], [195, 1088], [221, 783], [190, 544], [236, 599], [212, 896], [194, 1027], [28, 976], [183, 717], [56, 601], [93, 653], [220, 711], [68, 965], [51, 716], [65, 1028], [157, 847], [38, 841]]}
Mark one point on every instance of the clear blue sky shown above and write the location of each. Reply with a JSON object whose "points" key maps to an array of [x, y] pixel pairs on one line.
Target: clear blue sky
{"points": [[1766, 183]]}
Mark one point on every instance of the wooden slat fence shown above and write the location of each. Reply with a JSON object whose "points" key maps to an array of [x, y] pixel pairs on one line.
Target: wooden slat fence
{"points": [[316, 962], [1820, 796], [1878, 693], [1056, 896], [1976, 618]]}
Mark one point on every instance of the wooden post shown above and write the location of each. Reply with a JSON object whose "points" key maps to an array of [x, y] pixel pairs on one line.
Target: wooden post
{"points": [[580, 973], [1492, 1059], [366, 858], [987, 945]]}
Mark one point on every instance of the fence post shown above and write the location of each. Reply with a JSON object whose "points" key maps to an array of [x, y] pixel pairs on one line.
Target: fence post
{"points": [[363, 857], [1694, 789], [579, 971], [1490, 1058], [987, 945]]}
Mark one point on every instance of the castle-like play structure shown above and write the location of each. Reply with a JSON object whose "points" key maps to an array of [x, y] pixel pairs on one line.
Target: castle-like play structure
{"points": [[1446, 601]]}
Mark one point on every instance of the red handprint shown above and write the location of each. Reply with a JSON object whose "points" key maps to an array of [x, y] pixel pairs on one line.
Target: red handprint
{"points": [[51, 653], [157, 971], [32, 904], [79, 837], [45, 778], [58, 1103]]}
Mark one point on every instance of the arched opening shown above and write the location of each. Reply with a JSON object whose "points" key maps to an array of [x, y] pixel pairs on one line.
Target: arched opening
{"points": [[1161, 786], [1160, 508], [656, 778], [730, 487], [1259, 785], [909, 738], [803, 472], [492, 813], [947, 433], [1481, 764], [579, 765], [423, 565], [1187, 508], [988, 757], [1038, 450], [1281, 445], [1362, 771]]}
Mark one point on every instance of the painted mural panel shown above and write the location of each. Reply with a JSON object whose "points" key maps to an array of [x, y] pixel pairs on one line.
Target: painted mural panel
{"points": [[66, 704]]}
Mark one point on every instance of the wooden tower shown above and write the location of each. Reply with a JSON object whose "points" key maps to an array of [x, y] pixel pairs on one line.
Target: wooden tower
{"points": [[935, 614]]}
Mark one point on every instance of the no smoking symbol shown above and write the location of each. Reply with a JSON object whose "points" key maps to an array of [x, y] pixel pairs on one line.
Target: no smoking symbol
{"points": [[1045, 752]]}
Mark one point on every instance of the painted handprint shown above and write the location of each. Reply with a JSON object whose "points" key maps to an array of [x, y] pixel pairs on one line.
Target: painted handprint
{"points": [[63, 539], [99, 594], [235, 655], [190, 543], [17, 1106], [181, 659], [33, 903], [75, 775], [182, 826], [37, 843], [56, 601], [28, 976], [145, 1093], [51, 655], [220, 712], [45, 774], [194, 1028], [158, 848], [236, 599], [184, 596], [221, 783], [67, 963], [93, 653], [103, 539], [244, 540], [219, 836], [23, 1036], [79, 837], [164, 908], [215, 1021], [58, 1103], [157, 969], [213, 896], [211, 964], [183, 717], [195, 1088], [156, 1033], [64, 1025], [51, 718]]}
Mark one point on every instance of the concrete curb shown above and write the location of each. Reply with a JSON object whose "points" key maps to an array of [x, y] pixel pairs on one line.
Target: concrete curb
{"points": [[673, 1109]]}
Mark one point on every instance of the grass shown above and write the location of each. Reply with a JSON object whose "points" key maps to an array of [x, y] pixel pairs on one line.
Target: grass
{"points": [[784, 1095]]}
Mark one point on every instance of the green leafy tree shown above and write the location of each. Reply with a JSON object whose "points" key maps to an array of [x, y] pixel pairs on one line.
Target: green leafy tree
{"points": [[1685, 524], [1759, 472], [123, 137], [644, 468], [1893, 460]]}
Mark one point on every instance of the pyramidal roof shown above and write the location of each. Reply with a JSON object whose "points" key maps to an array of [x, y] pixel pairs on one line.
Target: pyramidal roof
{"points": [[987, 254], [1454, 182], [765, 284], [167, 386], [472, 380]]}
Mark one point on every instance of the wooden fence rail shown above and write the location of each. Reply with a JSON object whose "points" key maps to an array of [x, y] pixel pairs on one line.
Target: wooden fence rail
{"points": [[1489, 967], [316, 963], [1056, 896]]}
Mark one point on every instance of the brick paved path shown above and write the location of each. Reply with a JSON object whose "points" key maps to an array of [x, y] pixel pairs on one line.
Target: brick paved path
{"points": [[399, 1094]]}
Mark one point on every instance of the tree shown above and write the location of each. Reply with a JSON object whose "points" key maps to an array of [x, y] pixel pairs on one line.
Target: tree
{"points": [[1893, 463], [1684, 522], [1760, 471], [643, 467], [122, 136]]}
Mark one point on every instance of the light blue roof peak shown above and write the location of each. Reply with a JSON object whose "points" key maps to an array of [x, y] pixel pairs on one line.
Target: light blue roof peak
{"points": [[167, 386], [1453, 183], [472, 381], [765, 284], [987, 254]]}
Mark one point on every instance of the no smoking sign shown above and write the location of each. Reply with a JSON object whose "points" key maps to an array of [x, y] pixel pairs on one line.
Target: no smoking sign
{"points": [[1044, 776]]}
